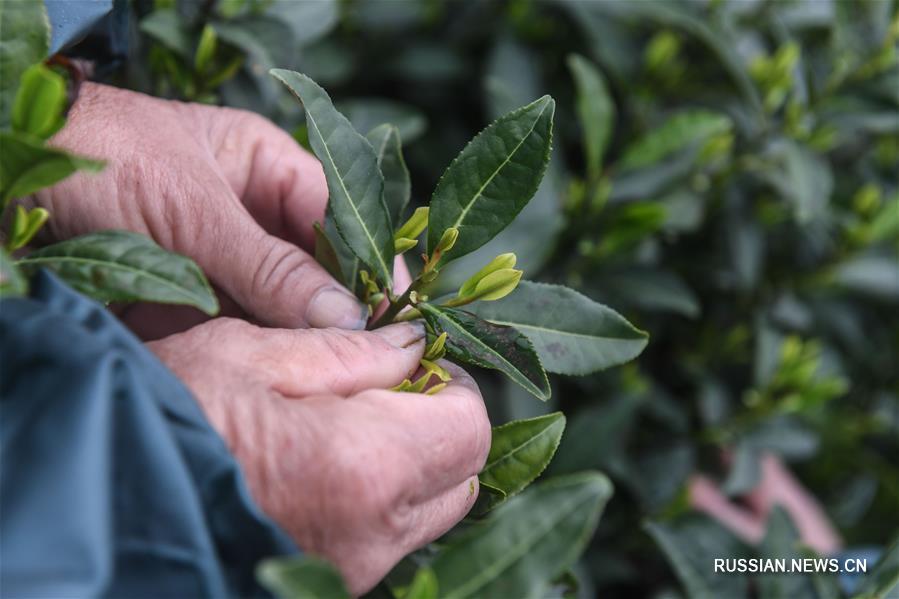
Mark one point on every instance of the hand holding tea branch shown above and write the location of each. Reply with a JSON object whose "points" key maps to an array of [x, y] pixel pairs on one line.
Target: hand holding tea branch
{"points": [[225, 187], [355, 473]]}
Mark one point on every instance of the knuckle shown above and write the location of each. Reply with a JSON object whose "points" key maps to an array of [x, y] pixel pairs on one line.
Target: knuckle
{"points": [[279, 267]]}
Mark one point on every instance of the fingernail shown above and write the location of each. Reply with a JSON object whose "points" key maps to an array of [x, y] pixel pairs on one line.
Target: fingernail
{"points": [[333, 307], [402, 335]]}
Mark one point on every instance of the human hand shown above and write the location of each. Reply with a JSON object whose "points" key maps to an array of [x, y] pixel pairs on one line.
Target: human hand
{"points": [[357, 474], [225, 187], [776, 486]]}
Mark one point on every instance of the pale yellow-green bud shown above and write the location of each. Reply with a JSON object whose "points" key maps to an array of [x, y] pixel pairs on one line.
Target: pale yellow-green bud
{"points": [[437, 349], [368, 282], [403, 244], [447, 240], [502, 261], [496, 285], [413, 227], [434, 368], [436, 389]]}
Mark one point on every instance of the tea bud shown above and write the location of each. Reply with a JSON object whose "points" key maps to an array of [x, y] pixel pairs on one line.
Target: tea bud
{"points": [[437, 349], [447, 240], [436, 369], [503, 261], [496, 285], [403, 244], [413, 227]]}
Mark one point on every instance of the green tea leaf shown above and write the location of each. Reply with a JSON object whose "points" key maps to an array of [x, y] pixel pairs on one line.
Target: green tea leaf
{"points": [[170, 30], [690, 546], [308, 21], [123, 266], [875, 276], [27, 166], [302, 577], [325, 254], [478, 342], [349, 263], [800, 176], [676, 133], [782, 542], [24, 41], [527, 542], [12, 283], [355, 183], [385, 139], [492, 179], [595, 110], [40, 101], [571, 333], [520, 451]]}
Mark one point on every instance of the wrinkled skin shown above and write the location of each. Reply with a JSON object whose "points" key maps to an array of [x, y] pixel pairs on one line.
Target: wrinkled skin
{"points": [[357, 474], [225, 187]]}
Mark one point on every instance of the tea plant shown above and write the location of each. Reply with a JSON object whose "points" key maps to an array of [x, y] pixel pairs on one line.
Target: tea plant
{"points": [[493, 320]]}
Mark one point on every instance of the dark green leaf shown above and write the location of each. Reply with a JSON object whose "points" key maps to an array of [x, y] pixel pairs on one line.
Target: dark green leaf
{"points": [[520, 451], [478, 342], [40, 101], [24, 40], [385, 139], [122, 266], [595, 110], [26, 166], [677, 133], [875, 276], [650, 290], [354, 181], [302, 577], [800, 176], [691, 546], [527, 542], [571, 333], [169, 29], [325, 254], [492, 179], [308, 21], [782, 541], [349, 263]]}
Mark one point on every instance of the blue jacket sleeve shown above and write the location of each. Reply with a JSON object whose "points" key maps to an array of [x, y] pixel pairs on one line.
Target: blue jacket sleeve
{"points": [[112, 481]]}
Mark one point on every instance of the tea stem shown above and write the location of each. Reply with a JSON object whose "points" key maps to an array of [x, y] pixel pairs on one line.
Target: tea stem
{"points": [[396, 307]]}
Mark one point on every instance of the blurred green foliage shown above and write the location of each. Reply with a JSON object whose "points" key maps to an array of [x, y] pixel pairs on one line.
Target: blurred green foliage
{"points": [[725, 174]]}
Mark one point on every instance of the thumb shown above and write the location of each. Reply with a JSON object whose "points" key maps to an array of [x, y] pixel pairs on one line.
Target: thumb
{"points": [[335, 362], [273, 280]]}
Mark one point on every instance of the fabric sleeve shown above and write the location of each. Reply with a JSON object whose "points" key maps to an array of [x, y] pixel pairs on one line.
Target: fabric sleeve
{"points": [[112, 481]]}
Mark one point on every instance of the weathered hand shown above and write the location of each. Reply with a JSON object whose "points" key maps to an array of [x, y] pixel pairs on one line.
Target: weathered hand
{"points": [[357, 474], [225, 187]]}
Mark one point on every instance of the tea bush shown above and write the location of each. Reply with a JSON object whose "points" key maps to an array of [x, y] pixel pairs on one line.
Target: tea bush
{"points": [[724, 174]]}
